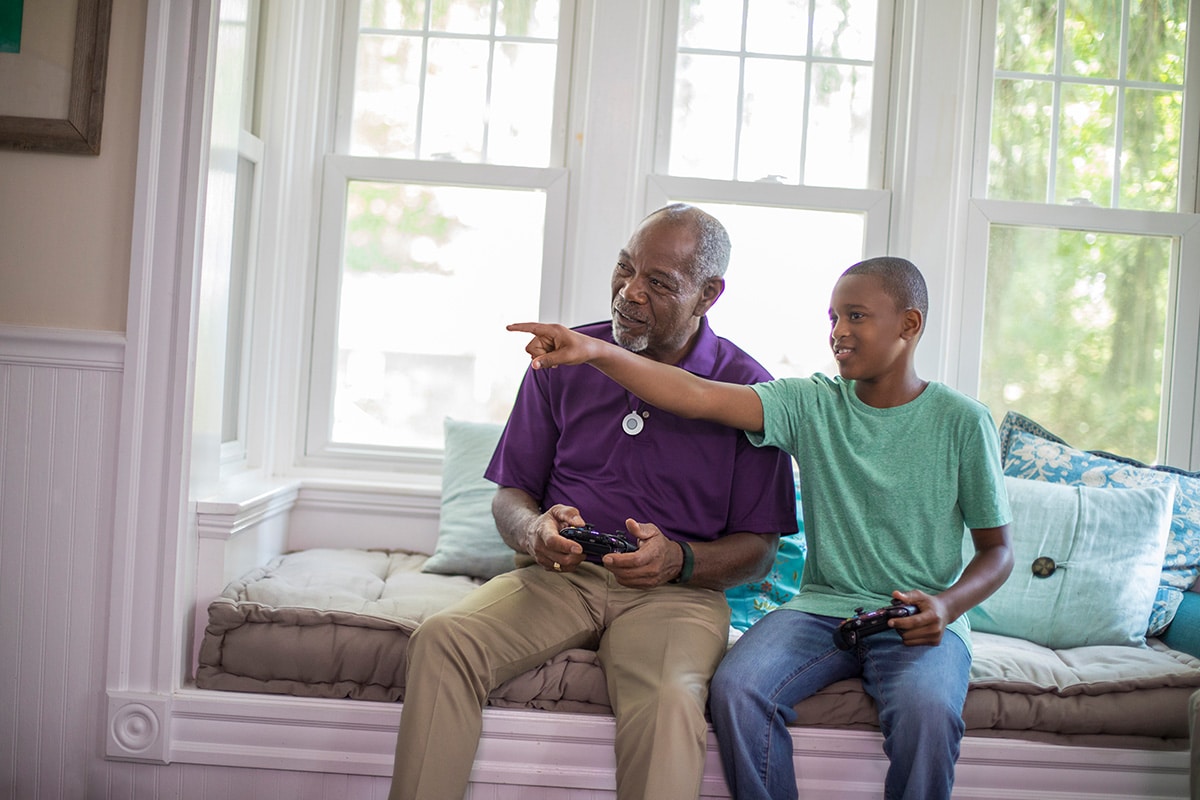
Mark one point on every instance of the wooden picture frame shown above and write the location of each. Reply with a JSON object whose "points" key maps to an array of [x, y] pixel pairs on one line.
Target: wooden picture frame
{"points": [[80, 131]]}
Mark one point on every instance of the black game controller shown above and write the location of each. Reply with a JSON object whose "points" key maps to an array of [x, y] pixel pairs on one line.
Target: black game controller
{"points": [[596, 545], [866, 623]]}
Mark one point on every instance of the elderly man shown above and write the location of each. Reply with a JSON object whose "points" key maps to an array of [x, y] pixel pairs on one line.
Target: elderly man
{"points": [[703, 505]]}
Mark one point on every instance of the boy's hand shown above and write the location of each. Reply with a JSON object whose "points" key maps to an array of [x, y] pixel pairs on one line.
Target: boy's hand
{"points": [[927, 625], [555, 345]]}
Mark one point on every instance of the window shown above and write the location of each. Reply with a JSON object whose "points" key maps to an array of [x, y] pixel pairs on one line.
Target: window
{"points": [[774, 112], [1084, 210], [442, 217], [231, 212]]}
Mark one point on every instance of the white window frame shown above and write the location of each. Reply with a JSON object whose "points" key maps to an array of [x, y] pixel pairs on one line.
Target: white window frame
{"points": [[315, 448], [873, 202], [339, 170]]}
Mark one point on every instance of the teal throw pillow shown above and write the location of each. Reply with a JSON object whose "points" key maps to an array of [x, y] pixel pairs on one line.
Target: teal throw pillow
{"points": [[1184, 633], [1041, 456], [1086, 564], [468, 542]]}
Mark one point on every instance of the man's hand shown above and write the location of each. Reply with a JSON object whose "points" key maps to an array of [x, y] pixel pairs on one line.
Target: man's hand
{"points": [[549, 550], [927, 625], [555, 345], [656, 561]]}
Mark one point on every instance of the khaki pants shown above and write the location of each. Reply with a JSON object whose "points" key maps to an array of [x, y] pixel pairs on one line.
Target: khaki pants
{"points": [[658, 649]]}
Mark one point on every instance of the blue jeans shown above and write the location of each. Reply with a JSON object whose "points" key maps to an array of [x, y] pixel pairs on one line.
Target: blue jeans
{"points": [[789, 655]]}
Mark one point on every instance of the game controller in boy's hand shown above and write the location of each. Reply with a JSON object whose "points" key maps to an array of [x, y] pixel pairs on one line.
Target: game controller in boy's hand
{"points": [[596, 545], [866, 623]]}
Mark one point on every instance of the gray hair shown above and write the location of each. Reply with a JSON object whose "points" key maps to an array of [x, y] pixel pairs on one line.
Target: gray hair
{"points": [[902, 281], [712, 240]]}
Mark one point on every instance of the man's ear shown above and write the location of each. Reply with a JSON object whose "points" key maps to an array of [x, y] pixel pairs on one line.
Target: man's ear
{"points": [[709, 292], [913, 324]]}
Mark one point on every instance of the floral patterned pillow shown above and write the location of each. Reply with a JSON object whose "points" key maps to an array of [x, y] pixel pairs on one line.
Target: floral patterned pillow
{"points": [[1030, 451], [750, 602]]}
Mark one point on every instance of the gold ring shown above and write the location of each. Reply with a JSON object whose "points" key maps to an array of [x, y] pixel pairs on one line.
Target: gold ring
{"points": [[557, 567]]}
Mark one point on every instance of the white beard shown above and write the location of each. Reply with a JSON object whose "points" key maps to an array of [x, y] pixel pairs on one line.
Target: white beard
{"points": [[634, 344]]}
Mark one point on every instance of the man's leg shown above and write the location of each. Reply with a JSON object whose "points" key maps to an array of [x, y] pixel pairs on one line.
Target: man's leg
{"points": [[505, 627], [783, 658], [658, 654], [919, 692]]}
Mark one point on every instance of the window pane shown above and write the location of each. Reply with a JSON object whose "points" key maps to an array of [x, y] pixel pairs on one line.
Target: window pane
{"points": [[394, 14], [1019, 158], [387, 96], [522, 18], [461, 16], [1025, 36], [460, 85], [236, 343], [840, 128], [710, 24], [455, 100], [781, 92], [844, 29], [1156, 42], [776, 305], [772, 121], [431, 276], [703, 131], [519, 132], [1075, 334], [1092, 39], [776, 26], [1150, 169], [1086, 146]]}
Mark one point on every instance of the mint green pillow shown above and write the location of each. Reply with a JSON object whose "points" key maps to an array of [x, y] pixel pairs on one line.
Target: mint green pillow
{"points": [[1086, 564], [468, 542]]}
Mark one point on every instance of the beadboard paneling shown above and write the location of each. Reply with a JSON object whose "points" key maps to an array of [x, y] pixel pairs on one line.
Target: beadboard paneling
{"points": [[57, 458]]}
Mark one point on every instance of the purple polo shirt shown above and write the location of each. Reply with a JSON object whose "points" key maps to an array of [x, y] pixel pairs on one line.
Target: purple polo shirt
{"points": [[695, 480]]}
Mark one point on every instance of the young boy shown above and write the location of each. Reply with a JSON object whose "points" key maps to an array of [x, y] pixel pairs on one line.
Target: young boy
{"points": [[892, 468]]}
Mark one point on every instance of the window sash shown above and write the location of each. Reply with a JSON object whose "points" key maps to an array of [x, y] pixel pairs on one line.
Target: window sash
{"points": [[339, 170]]}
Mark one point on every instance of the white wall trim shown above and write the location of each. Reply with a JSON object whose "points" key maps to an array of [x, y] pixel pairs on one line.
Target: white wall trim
{"points": [[358, 737], [61, 348]]}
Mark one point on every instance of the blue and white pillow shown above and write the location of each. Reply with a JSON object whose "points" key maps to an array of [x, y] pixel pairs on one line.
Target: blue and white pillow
{"points": [[1031, 452]]}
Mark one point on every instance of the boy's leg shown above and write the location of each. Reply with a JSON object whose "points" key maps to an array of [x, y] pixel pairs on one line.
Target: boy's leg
{"points": [[658, 654], [919, 692], [457, 656], [784, 657]]}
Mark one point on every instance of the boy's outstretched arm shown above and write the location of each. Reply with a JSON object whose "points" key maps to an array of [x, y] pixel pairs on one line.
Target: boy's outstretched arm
{"points": [[667, 387]]}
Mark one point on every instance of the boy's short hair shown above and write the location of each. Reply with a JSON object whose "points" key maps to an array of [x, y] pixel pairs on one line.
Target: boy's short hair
{"points": [[902, 281]]}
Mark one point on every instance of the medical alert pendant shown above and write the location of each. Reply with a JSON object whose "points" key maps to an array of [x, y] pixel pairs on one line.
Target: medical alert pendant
{"points": [[632, 424]]}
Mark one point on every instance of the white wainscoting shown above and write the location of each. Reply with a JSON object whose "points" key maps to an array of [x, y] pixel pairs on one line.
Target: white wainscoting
{"points": [[59, 413]]}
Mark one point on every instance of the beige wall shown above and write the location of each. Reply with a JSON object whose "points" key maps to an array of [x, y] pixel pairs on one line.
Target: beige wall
{"points": [[66, 220]]}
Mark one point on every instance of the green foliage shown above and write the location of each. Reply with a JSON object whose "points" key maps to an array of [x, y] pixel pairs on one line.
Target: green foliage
{"points": [[1075, 325], [1092, 155], [1073, 334], [384, 221]]}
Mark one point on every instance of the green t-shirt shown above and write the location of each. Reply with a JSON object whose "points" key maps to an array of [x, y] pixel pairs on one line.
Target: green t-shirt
{"points": [[886, 492]]}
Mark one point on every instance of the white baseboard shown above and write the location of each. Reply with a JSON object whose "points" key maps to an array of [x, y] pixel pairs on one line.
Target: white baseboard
{"points": [[574, 752]]}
